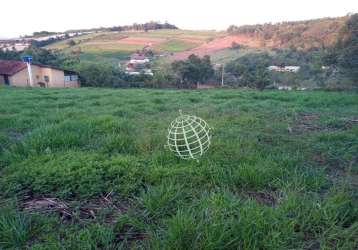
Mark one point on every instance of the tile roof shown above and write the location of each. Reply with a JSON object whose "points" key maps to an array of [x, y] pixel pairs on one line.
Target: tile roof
{"points": [[11, 67], [137, 56]]}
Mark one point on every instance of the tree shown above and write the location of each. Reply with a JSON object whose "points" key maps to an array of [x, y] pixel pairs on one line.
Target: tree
{"points": [[71, 43], [250, 71], [344, 55], [9, 55], [192, 71], [235, 45], [261, 77], [43, 56], [161, 79], [99, 74]]}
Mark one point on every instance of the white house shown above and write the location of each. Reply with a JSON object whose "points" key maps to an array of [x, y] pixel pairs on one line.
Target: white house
{"points": [[138, 64], [293, 69], [138, 59]]}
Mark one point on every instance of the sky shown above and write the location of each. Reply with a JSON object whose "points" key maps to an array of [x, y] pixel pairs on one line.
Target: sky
{"points": [[23, 17]]}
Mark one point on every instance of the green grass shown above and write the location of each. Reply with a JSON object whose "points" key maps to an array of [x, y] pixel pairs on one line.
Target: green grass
{"points": [[228, 55], [175, 46], [103, 43], [113, 57], [281, 172]]}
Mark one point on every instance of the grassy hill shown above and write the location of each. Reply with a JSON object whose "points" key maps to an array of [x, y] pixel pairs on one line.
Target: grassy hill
{"points": [[87, 169], [118, 45]]}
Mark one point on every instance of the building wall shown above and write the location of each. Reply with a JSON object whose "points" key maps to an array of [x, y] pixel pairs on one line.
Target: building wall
{"points": [[37, 76], [56, 78], [72, 84], [20, 79], [2, 80]]}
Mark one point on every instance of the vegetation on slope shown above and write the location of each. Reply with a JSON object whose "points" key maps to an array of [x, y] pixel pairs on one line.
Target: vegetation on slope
{"points": [[175, 45], [344, 55], [87, 169], [314, 33], [136, 26]]}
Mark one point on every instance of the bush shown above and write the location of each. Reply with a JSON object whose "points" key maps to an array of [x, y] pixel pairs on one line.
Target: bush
{"points": [[250, 71], [71, 43], [99, 74], [192, 71]]}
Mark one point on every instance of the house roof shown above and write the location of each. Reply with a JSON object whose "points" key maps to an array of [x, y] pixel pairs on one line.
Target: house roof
{"points": [[70, 72], [137, 57], [11, 67]]}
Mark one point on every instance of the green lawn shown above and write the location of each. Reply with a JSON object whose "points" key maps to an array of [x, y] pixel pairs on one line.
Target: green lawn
{"points": [[88, 169], [114, 57], [228, 55], [175, 46]]}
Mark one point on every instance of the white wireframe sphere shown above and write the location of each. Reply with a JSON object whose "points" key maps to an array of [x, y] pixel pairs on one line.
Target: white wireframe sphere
{"points": [[189, 137]]}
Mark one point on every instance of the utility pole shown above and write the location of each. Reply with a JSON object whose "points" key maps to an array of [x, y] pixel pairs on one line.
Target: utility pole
{"points": [[222, 75], [30, 73], [28, 60]]}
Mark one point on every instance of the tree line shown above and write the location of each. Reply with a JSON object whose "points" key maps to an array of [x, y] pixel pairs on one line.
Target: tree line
{"points": [[318, 32], [152, 25]]}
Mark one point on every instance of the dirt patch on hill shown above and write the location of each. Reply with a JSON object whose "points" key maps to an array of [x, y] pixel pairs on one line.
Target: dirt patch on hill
{"points": [[209, 48], [191, 40]]}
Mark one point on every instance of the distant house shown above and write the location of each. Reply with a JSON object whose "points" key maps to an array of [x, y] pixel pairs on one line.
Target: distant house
{"points": [[138, 59], [15, 73], [293, 69], [14, 46], [284, 88], [138, 64]]}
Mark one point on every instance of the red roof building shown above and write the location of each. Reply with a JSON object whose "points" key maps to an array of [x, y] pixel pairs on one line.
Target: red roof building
{"points": [[11, 67], [15, 73]]}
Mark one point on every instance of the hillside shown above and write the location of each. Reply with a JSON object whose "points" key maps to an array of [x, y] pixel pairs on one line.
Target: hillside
{"points": [[301, 34], [118, 45], [181, 43], [87, 169]]}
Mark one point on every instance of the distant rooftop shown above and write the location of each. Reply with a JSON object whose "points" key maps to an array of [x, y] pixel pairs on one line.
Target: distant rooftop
{"points": [[11, 67], [137, 56]]}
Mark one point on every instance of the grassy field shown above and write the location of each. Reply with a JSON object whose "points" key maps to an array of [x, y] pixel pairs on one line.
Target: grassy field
{"points": [[109, 40], [175, 45], [114, 57], [99, 45], [88, 169], [228, 55]]}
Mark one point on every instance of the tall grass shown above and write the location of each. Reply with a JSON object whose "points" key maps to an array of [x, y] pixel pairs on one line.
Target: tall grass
{"points": [[280, 174]]}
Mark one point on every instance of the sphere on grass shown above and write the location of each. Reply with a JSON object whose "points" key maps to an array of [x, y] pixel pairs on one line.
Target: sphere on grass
{"points": [[189, 137]]}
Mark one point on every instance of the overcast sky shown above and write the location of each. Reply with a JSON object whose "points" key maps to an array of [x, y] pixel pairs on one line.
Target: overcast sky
{"points": [[22, 17]]}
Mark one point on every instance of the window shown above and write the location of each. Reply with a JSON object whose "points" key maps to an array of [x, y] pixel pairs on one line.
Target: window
{"points": [[46, 78], [74, 77], [69, 78]]}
